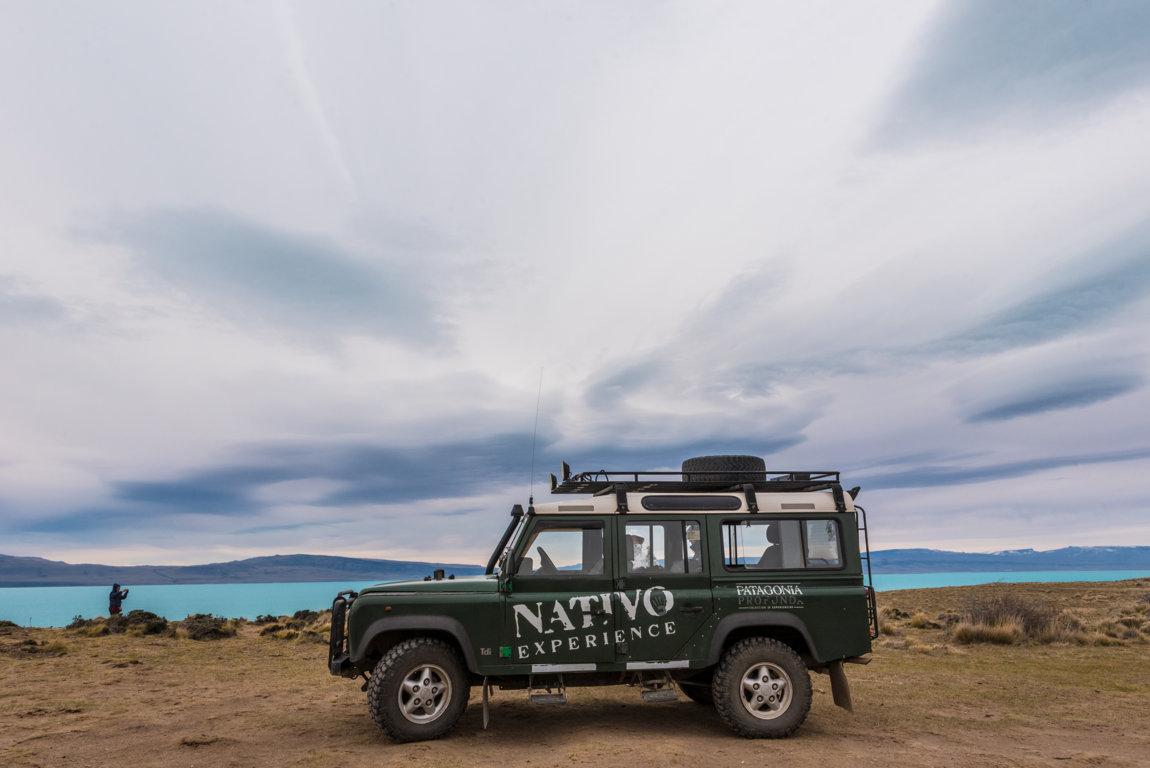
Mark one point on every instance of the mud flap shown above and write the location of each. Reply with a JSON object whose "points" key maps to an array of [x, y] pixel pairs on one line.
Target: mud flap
{"points": [[840, 688], [486, 700]]}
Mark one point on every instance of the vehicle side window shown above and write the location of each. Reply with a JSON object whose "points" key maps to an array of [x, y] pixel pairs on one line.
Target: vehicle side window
{"points": [[822, 537], [664, 547], [762, 546], [563, 551]]}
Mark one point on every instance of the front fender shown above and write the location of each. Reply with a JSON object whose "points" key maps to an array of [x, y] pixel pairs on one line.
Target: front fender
{"points": [[413, 625]]}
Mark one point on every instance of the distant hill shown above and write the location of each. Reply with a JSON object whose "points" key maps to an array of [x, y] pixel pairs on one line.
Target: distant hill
{"points": [[38, 572], [1065, 559]]}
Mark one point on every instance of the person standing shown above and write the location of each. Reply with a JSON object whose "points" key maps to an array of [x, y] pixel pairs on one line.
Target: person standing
{"points": [[115, 598]]}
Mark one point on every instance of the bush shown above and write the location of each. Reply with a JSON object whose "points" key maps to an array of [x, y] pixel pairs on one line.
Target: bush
{"points": [[265, 618], [144, 623], [204, 626], [1007, 618], [134, 623], [1034, 616]]}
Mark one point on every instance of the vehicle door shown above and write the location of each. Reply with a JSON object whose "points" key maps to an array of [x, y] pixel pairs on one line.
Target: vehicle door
{"points": [[557, 615], [663, 592]]}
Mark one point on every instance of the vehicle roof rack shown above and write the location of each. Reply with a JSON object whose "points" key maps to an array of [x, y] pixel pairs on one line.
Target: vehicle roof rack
{"points": [[605, 481]]}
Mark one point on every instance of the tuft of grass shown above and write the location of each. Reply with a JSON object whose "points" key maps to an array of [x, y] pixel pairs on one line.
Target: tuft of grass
{"points": [[30, 648], [921, 621], [1009, 632]]}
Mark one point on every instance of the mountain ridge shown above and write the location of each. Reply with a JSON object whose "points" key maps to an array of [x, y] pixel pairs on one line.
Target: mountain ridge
{"points": [[19, 571], [41, 572]]}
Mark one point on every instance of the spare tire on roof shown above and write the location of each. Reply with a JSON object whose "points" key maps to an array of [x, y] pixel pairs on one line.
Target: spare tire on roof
{"points": [[727, 468]]}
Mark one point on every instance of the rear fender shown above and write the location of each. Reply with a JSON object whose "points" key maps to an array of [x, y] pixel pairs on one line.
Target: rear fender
{"points": [[740, 622]]}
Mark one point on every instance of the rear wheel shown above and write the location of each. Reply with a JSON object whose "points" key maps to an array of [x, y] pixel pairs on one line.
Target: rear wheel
{"points": [[762, 689], [419, 690]]}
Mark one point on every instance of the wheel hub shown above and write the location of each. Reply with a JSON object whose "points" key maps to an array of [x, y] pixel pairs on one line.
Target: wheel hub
{"points": [[424, 694], [766, 690]]}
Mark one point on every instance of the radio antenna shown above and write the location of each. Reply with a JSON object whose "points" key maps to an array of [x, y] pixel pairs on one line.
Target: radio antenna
{"points": [[534, 434]]}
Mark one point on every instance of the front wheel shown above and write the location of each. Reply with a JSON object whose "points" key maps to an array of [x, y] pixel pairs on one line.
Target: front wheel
{"points": [[762, 689], [419, 690]]}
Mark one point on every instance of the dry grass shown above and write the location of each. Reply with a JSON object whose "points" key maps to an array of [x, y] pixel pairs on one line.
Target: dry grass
{"points": [[1106, 614], [921, 621], [1008, 632], [305, 626], [257, 701]]}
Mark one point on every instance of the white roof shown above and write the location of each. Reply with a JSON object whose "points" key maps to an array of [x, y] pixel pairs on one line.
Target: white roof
{"points": [[806, 501]]}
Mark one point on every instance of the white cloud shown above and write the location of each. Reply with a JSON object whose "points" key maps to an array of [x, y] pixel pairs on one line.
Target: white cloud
{"points": [[702, 224]]}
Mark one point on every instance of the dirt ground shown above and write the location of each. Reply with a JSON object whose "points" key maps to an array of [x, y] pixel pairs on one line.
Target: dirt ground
{"points": [[256, 701]]}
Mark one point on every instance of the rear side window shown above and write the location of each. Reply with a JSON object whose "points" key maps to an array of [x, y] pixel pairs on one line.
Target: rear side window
{"points": [[663, 547], [767, 545], [822, 538]]}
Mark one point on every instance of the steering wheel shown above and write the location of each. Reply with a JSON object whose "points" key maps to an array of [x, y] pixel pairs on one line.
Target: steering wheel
{"points": [[546, 564]]}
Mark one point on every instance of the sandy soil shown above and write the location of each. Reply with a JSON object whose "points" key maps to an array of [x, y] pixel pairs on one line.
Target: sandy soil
{"points": [[256, 701]]}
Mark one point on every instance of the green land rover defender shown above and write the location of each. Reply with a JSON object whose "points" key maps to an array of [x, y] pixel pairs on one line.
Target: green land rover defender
{"points": [[724, 581]]}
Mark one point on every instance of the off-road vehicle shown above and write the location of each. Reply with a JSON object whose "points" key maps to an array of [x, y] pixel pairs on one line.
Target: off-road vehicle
{"points": [[724, 581]]}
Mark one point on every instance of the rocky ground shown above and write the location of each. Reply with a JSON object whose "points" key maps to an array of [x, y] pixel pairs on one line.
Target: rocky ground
{"points": [[262, 697]]}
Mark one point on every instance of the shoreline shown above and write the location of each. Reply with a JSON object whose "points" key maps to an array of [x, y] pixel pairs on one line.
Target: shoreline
{"points": [[44, 607]]}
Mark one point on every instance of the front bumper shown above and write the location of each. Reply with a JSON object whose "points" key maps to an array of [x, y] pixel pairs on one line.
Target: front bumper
{"points": [[338, 655]]}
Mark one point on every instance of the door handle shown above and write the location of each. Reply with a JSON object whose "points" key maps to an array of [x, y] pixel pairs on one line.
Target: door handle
{"points": [[691, 609]]}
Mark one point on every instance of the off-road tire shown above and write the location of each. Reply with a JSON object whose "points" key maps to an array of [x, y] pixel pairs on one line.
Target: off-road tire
{"points": [[404, 658], [727, 688], [729, 468]]}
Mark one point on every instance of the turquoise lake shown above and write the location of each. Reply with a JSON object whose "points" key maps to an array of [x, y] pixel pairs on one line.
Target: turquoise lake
{"points": [[56, 606]]}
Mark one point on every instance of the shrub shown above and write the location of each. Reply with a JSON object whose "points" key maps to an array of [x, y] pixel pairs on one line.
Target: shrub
{"points": [[1007, 618], [144, 623], [265, 618], [1034, 616], [204, 626]]}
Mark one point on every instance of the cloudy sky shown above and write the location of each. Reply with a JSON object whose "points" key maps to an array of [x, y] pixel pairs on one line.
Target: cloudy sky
{"points": [[281, 276]]}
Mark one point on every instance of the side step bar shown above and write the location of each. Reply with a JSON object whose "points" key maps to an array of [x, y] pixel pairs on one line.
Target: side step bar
{"points": [[542, 694]]}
